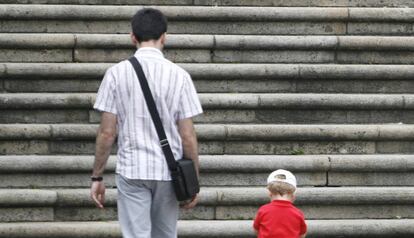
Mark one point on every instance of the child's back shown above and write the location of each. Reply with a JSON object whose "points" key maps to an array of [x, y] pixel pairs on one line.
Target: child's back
{"points": [[280, 218]]}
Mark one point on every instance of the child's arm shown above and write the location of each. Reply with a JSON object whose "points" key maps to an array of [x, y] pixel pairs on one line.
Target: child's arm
{"points": [[302, 236]]}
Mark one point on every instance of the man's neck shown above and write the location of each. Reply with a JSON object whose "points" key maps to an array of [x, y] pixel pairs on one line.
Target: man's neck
{"points": [[153, 44]]}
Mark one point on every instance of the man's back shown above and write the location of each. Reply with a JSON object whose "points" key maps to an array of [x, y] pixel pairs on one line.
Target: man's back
{"points": [[139, 153]]}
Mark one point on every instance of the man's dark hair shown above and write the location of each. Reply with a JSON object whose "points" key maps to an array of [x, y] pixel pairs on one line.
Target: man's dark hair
{"points": [[148, 24]]}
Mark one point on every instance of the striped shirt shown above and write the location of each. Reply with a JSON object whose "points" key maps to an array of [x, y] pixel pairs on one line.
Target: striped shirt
{"points": [[139, 151]]}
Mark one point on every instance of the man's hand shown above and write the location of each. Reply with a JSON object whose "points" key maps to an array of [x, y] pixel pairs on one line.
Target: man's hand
{"points": [[98, 193], [192, 203]]}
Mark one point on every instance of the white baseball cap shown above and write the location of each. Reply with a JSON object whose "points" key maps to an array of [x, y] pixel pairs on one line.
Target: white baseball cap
{"points": [[282, 175]]}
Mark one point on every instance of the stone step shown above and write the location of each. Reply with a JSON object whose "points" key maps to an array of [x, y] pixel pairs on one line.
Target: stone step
{"points": [[230, 203], [212, 229], [207, 20], [211, 48], [261, 3], [221, 170], [225, 108], [214, 78], [224, 139]]}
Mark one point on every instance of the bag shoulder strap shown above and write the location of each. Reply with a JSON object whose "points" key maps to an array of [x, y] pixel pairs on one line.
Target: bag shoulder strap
{"points": [[152, 108]]}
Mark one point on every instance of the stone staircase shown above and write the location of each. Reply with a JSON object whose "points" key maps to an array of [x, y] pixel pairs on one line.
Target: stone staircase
{"points": [[322, 88]]}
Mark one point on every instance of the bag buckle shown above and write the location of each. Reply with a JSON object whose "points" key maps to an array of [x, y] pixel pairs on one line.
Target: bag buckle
{"points": [[164, 142]]}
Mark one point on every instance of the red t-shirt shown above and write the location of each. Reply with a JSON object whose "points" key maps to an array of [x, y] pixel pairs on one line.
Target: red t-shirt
{"points": [[279, 219]]}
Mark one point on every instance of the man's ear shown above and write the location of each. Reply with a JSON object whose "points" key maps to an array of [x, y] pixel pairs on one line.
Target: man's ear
{"points": [[133, 38], [163, 38]]}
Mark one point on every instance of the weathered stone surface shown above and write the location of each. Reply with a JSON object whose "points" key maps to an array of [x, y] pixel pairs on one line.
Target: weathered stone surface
{"points": [[371, 179], [70, 12], [364, 57], [85, 214], [52, 85], [44, 116], [383, 28], [287, 148], [23, 147], [258, 179], [372, 163], [282, 56], [27, 197], [270, 3], [27, 55], [403, 147], [48, 180], [26, 214], [382, 14]]}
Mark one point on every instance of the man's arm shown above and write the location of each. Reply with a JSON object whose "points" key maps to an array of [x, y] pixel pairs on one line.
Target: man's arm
{"points": [[190, 147], [303, 236], [104, 140]]}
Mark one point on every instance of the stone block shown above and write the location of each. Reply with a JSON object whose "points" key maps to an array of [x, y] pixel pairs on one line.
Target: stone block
{"points": [[268, 56], [94, 116], [85, 214], [44, 180], [198, 213], [286, 148], [52, 85], [102, 55], [387, 211], [371, 179], [259, 179], [44, 116], [382, 28], [378, 57], [73, 147], [57, 26], [259, 42], [27, 198], [225, 116], [372, 163], [36, 55], [301, 116], [331, 85], [210, 147], [236, 212], [245, 86], [31, 214], [257, 28], [402, 147], [23, 147]]}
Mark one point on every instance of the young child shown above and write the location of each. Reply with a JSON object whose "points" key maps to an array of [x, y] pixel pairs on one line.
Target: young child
{"points": [[280, 218]]}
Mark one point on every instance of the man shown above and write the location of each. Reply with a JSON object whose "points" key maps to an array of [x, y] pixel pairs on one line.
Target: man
{"points": [[147, 206]]}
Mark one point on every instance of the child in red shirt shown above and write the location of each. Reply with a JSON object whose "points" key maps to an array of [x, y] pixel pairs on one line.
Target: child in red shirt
{"points": [[279, 218]]}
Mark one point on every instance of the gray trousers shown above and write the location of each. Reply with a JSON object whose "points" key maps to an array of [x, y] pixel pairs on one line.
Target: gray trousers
{"points": [[146, 208]]}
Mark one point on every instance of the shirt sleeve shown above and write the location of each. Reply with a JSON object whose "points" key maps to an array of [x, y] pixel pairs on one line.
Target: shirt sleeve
{"points": [[189, 105], [257, 220], [303, 227], [105, 99]]}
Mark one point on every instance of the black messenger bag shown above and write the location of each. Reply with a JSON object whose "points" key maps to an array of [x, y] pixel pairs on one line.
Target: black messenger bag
{"points": [[183, 173]]}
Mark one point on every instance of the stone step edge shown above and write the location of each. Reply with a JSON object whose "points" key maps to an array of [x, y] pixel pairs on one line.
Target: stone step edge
{"points": [[263, 3], [228, 132], [256, 101], [10, 164], [220, 71], [182, 13], [222, 42], [218, 196], [235, 228]]}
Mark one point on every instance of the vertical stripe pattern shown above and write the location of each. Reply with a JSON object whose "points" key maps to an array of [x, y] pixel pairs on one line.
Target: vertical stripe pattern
{"points": [[139, 152]]}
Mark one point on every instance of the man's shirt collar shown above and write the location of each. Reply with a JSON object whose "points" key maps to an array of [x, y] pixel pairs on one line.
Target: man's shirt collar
{"points": [[149, 51]]}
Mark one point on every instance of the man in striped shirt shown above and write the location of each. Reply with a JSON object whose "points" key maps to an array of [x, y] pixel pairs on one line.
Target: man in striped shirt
{"points": [[147, 206]]}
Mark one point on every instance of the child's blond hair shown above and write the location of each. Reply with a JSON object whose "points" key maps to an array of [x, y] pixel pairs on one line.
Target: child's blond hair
{"points": [[281, 188]]}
